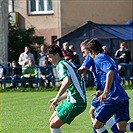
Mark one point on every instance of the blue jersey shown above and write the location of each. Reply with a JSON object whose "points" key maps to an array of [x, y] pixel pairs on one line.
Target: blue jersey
{"points": [[89, 63], [104, 64]]}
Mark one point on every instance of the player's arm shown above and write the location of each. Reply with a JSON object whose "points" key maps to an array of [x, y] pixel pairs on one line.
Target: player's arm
{"points": [[109, 80], [82, 69], [61, 93], [65, 83]]}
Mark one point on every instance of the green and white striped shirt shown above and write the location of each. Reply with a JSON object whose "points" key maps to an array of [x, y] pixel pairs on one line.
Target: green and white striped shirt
{"points": [[76, 92]]}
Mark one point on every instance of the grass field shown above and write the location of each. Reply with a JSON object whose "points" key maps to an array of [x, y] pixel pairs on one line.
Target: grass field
{"points": [[27, 112]]}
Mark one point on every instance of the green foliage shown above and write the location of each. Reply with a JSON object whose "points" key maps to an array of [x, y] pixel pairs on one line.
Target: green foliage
{"points": [[19, 38]]}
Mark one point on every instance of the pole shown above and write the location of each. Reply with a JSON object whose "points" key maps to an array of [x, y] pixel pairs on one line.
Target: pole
{"points": [[3, 31]]}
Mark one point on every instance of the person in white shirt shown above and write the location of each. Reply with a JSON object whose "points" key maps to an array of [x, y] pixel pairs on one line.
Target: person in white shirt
{"points": [[25, 56]]}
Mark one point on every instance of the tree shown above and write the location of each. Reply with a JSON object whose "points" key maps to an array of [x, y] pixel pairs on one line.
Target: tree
{"points": [[19, 38]]}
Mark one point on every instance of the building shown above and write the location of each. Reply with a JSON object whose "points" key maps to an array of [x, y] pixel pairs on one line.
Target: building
{"points": [[54, 18], [109, 34]]}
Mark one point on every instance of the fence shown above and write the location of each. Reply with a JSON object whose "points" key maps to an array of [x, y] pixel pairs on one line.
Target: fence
{"points": [[7, 80], [126, 73]]}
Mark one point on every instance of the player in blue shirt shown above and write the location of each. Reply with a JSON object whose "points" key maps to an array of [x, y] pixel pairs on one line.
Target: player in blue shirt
{"points": [[113, 100], [89, 64]]}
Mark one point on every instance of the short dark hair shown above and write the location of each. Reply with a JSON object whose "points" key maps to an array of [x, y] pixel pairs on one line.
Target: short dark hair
{"points": [[53, 49], [95, 45]]}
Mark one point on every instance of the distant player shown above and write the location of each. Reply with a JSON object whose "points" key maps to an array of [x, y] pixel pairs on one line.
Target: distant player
{"points": [[72, 89], [113, 100]]}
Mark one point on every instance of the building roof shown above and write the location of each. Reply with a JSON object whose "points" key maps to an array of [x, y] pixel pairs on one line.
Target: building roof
{"points": [[91, 29]]}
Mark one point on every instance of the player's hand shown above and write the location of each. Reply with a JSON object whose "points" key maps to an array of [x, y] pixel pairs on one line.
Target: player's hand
{"points": [[102, 97], [97, 93], [53, 103]]}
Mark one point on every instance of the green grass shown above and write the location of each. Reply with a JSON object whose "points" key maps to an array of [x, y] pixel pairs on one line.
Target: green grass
{"points": [[28, 112]]}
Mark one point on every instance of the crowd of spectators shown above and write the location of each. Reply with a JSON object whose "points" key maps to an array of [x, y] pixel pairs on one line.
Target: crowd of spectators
{"points": [[39, 72]]}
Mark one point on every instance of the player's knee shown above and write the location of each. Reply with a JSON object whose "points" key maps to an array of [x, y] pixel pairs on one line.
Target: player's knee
{"points": [[98, 124], [121, 128], [53, 124]]}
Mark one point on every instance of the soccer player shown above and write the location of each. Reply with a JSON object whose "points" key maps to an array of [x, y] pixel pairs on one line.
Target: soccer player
{"points": [[72, 89], [89, 64], [113, 100]]}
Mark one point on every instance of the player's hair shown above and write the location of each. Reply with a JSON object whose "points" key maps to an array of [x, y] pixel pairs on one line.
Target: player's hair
{"points": [[95, 45], [53, 49], [85, 44]]}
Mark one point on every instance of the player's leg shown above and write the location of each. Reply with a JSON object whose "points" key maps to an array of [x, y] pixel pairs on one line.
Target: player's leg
{"points": [[53, 115], [91, 112], [111, 123], [55, 124], [102, 114], [99, 126], [129, 127], [124, 126], [55, 121], [123, 116]]}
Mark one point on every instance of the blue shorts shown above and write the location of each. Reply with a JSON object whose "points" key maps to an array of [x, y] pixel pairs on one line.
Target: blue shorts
{"points": [[95, 103], [120, 109]]}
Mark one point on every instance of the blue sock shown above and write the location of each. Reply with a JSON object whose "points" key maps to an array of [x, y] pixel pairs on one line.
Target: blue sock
{"points": [[129, 127], [94, 130], [114, 129], [105, 131]]}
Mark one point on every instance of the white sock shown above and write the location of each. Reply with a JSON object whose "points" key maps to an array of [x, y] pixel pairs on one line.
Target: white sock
{"points": [[128, 127], [100, 130], [55, 130], [110, 122]]}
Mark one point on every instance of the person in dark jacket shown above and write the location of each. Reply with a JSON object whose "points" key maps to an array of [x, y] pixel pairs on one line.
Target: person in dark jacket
{"points": [[123, 56], [46, 75], [15, 73]]}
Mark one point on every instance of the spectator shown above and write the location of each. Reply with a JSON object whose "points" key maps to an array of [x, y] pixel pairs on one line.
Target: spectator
{"points": [[25, 56], [46, 75], [75, 59], [123, 56], [30, 74], [15, 73], [67, 53], [2, 76], [105, 50], [41, 56]]}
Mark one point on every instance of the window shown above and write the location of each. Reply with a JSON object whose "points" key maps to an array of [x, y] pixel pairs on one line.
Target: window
{"points": [[40, 7]]}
